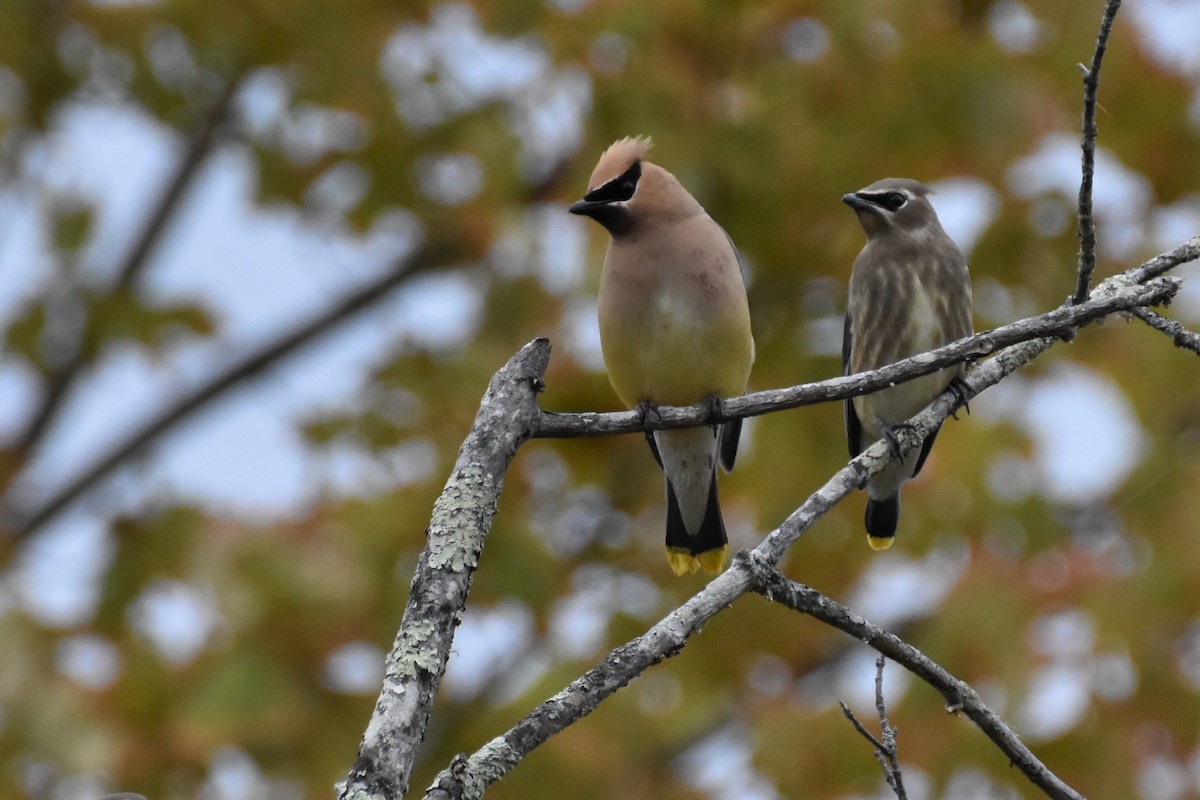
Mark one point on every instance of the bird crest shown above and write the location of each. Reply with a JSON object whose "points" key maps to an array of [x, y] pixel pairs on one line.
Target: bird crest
{"points": [[620, 156]]}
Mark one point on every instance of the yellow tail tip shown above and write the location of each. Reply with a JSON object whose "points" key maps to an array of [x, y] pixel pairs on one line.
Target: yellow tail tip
{"points": [[685, 562], [880, 542]]}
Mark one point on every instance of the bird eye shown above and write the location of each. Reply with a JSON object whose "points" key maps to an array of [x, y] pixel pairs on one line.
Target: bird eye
{"points": [[892, 201], [620, 188]]}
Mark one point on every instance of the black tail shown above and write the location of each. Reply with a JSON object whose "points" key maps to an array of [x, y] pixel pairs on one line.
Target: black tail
{"points": [[882, 517], [708, 547]]}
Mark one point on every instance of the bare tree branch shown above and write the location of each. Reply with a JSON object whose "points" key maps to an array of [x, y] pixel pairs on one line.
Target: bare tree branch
{"points": [[20, 522], [1123, 293], [469, 776], [461, 519], [879, 747], [885, 751], [136, 259], [1180, 335], [960, 697], [1087, 226], [1165, 262]]}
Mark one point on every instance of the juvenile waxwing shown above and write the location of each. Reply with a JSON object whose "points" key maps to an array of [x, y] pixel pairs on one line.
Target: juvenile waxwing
{"points": [[674, 329], [910, 292]]}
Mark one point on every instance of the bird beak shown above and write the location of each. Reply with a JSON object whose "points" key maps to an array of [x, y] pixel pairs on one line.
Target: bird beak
{"points": [[612, 214], [586, 208], [856, 202]]}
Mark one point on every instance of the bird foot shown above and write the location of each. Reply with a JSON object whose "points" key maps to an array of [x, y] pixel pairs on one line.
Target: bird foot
{"points": [[716, 410], [962, 394], [647, 411], [648, 414], [890, 436]]}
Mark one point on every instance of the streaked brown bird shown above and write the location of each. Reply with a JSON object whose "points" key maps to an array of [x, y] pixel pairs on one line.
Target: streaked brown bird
{"points": [[674, 329], [910, 292]]}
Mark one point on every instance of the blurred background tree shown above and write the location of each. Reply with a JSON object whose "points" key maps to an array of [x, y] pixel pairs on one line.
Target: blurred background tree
{"points": [[185, 185]]}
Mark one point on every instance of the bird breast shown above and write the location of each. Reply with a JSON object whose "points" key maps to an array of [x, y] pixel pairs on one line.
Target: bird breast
{"points": [[674, 320]]}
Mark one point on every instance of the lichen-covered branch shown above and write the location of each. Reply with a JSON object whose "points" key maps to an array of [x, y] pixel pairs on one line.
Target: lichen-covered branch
{"points": [[461, 519], [469, 776]]}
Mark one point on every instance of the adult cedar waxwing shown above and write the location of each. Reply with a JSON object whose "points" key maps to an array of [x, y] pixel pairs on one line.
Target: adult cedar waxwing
{"points": [[910, 292], [674, 329]]}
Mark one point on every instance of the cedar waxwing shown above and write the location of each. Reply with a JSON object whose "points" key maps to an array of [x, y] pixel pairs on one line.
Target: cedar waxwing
{"points": [[674, 329], [910, 292]]}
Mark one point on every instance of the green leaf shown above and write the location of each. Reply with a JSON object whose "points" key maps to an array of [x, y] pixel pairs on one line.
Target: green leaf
{"points": [[122, 315]]}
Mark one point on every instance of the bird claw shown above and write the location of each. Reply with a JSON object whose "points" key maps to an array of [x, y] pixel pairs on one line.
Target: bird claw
{"points": [[716, 410], [648, 413], [962, 395], [893, 441]]}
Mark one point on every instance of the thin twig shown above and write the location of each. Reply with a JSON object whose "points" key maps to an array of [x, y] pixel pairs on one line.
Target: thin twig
{"points": [[1087, 225], [885, 751], [960, 697], [164, 210], [862, 729], [892, 772], [877, 747], [1181, 336]]}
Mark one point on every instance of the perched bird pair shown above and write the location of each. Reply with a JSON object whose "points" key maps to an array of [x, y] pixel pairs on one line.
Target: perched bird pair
{"points": [[675, 330]]}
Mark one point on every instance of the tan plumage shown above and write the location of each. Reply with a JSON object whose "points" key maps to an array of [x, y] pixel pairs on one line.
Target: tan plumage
{"points": [[909, 293], [675, 330]]}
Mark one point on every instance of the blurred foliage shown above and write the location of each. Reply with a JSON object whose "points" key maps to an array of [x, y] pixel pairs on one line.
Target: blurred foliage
{"points": [[768, 112]]}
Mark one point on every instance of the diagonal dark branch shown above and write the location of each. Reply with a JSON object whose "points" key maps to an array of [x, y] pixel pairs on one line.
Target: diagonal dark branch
{"points": [[185, 173], [136, 259], [1181, 336], [960, 697], [1087, 225], [20, 523]]}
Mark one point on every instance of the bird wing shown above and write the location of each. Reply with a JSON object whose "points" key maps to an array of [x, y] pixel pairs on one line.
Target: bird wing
{"points": [[853, 424], [926, 446], [731, 431]]}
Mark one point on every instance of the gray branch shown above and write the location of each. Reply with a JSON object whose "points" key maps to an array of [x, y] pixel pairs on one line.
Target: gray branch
{"points": [[1181, 336], [1087, 225], [461, 519], [1127, 293], [469, 776], [960, 697], [885, 751]]}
